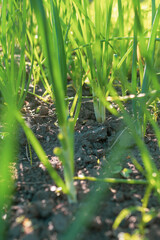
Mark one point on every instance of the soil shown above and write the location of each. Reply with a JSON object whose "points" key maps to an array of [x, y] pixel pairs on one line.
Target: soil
{"points": [[40, 212]]}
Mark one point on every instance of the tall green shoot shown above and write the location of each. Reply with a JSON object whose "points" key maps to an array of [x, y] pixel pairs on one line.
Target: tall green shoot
{"points": [[97, 52], [148, 81], [8, 144], [51, 37], [122, 45]]}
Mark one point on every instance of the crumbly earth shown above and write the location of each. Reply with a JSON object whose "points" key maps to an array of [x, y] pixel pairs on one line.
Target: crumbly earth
{"points": [[40, 212]]}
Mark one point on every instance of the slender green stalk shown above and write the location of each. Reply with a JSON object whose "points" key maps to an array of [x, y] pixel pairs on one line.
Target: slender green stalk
{"points": [[122, 46], [51, 41], [47, 41], [153, 10], [59, 43], [145, 201], [8, 144], [111, 180], [134, 70]]}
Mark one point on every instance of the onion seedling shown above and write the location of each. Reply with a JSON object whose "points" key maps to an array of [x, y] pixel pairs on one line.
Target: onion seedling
{"points": [[53, 46]]}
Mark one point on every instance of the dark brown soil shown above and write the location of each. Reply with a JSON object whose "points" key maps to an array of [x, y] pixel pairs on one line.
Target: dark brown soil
{"points": [[40, 212]]}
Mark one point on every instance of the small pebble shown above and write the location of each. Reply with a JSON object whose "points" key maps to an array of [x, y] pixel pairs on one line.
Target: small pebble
{"points": [[43, 110]]}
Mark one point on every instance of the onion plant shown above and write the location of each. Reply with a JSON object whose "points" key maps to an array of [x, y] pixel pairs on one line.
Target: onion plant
{"points": [[149, 80], [11, 36], [93, 33], [53, 46], [95, 58], [12, 84]]}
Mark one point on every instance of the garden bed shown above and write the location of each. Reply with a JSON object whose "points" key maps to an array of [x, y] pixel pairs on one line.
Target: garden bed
{"points": [[40, 211]]}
